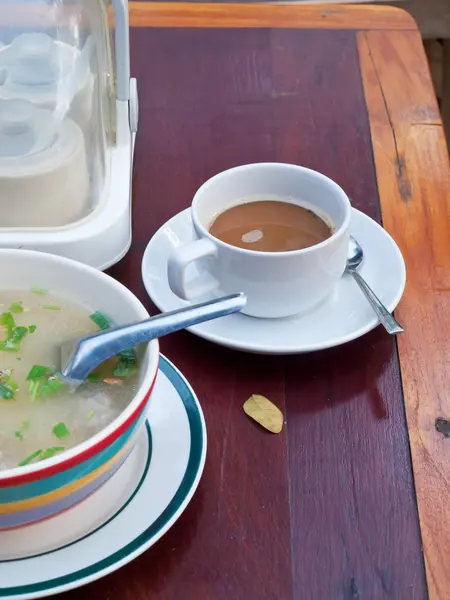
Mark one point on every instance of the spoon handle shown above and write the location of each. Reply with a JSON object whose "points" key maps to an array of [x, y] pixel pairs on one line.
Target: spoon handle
{"points": [[385, 317], [95, 349]]}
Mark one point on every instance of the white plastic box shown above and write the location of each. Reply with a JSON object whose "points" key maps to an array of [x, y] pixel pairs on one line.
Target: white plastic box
{"points": [[68, 119]]}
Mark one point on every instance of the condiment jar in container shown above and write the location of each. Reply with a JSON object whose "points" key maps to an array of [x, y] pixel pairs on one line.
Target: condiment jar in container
{"points": [[44, 180], [49, 73]]}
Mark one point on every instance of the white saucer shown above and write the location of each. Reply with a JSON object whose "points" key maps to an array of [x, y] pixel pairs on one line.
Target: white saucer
{"points": [[344, 316], [127, 515]]}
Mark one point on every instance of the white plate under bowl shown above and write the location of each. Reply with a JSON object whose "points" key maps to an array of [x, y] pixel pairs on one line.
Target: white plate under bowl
{"points": [[127, 515], [344, 316]]}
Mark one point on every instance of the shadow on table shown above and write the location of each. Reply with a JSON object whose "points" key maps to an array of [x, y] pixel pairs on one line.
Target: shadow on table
{"points": [[360, 369], [320, 380]]}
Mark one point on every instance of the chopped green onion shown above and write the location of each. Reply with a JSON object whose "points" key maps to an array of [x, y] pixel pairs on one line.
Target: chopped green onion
{"points": [[7, 319], [9, 382], [61, 431], [33, 388], [94, 377], [6, 392], [18, 334], [50, 452], [90, 414], [39, 291], [51, 307], [8, 386], [12, 343], [128, 356], [30, 458], [35, 392], [24, 427], [38, 371], [43, 382], [101, 320], [124, 369], [51, 386], [32, 328], [18, 358], [16, 307]]}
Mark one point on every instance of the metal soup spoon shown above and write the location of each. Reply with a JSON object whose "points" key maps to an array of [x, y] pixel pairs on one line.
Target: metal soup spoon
{"points": [[354, 259], [80, 357]]}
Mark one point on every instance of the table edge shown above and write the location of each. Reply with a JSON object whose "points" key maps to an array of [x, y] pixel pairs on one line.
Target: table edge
{"points": [[413, 176], [304, 16]]}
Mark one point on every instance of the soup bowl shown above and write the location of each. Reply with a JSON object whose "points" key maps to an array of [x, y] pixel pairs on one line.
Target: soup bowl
{"points": [[38, 491]]}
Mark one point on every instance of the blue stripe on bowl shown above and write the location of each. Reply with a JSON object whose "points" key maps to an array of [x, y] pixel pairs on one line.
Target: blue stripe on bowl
{"points": [[42, 512]]}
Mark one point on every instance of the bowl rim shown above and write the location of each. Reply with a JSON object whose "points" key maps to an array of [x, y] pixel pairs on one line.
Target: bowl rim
{"points": [[105, 437]]}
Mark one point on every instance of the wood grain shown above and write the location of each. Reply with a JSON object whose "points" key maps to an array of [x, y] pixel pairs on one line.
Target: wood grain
{"points": [[182, 14], [413, 171], [431, 16], [159, 14], [325, 510], [156, 14]]}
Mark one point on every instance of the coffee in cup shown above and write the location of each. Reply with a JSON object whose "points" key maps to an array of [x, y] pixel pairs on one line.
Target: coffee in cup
{"points": [[270, 226], [276, 232]]}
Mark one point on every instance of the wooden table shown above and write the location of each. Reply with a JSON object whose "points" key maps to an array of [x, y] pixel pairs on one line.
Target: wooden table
{"points": [[329, 509]]}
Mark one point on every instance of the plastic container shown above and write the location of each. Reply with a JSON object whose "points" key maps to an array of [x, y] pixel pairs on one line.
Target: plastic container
{"points": [[68, 117]]}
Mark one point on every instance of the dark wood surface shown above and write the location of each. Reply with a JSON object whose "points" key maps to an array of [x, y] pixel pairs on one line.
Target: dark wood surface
{"points": [[327, 509]]}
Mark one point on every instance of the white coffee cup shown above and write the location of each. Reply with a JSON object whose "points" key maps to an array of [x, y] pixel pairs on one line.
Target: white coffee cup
{"points": [[277, 284]]}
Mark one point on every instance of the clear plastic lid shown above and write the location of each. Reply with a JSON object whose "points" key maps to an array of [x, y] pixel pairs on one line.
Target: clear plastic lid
{"points": [[36, 59], [57, 87]]}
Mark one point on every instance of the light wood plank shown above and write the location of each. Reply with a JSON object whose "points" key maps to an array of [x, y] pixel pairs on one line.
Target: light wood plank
{"points": [[432, 16], [184, 14], [155, 14], [414, 184]]}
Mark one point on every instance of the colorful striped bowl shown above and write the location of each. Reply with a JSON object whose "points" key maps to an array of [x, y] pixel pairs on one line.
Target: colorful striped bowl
{"points": [[39, 491]]}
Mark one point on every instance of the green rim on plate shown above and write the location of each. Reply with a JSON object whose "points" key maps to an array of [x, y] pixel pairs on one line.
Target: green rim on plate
{"points": [[189, 479]]}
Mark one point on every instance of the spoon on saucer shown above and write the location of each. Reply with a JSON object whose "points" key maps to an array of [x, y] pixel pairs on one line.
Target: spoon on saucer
{"points": [[80, 357], [354, 259]]}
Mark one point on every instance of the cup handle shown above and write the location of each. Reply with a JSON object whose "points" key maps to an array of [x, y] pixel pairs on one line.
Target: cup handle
{"points": [[180, 259]]}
